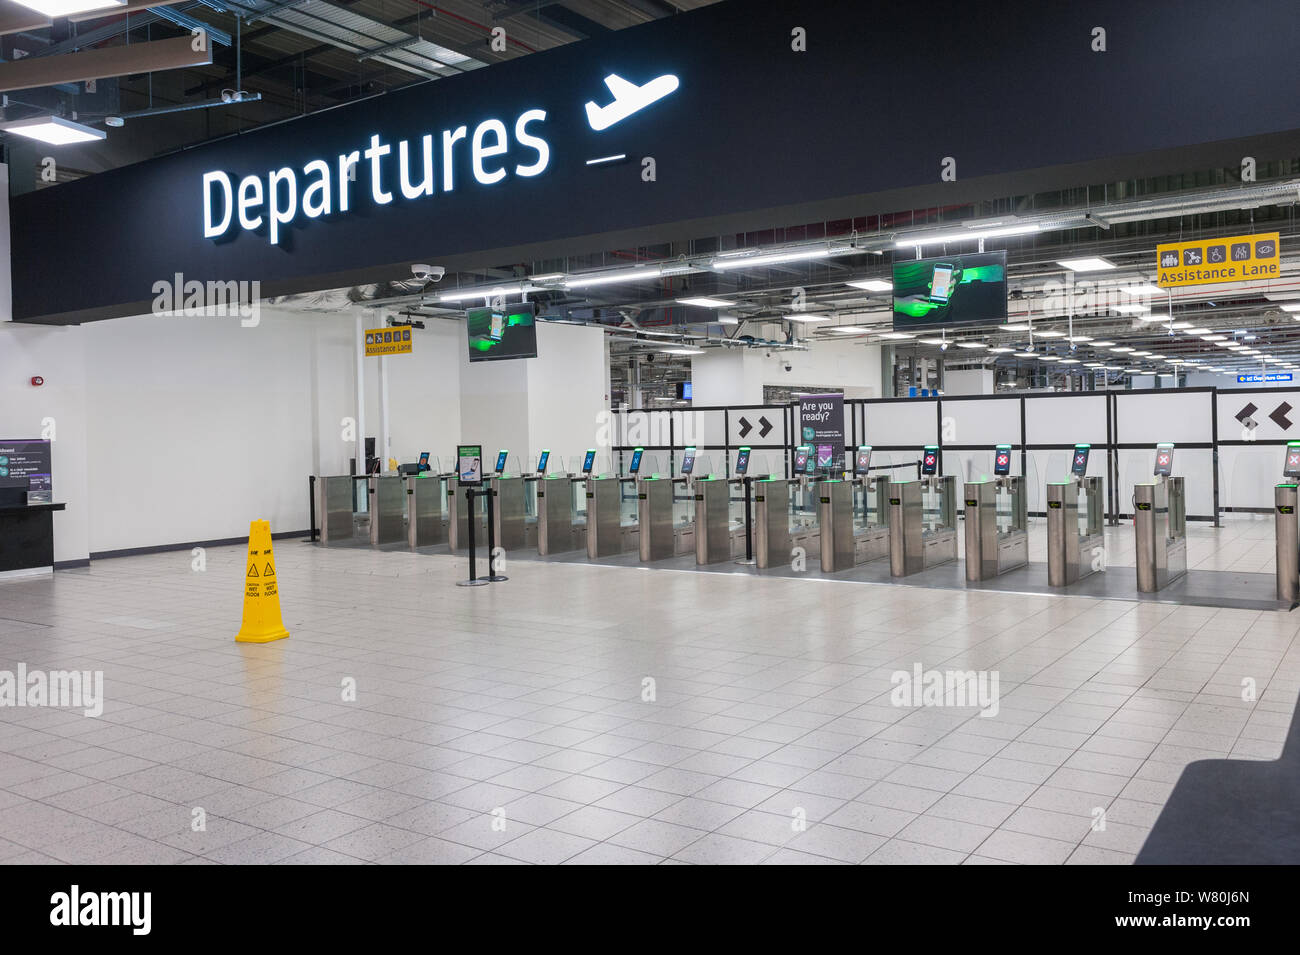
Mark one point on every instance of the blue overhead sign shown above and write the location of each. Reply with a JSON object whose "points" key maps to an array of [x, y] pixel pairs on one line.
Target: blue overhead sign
{"points": [[1260, 379]]}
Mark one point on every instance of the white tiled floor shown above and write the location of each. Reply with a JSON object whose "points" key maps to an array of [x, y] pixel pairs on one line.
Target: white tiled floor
{"points": [[506, 723]]}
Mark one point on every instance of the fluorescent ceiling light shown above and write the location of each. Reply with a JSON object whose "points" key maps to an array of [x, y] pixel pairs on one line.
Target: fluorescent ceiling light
{"points": [[1023, 327], [932, 341], [1026, 354], [1143, 372], [1114, 367], [1069, 361], [1198, 331], [1079, 338], [1181, 326], [1131, 309], [1236, 348], [705, 302], [548, 277], [807, 319], [873, 285], [1290, 307], [682, 351], [1152, 355], [971, 345], [1214, 338], [1051, 334], [1102, 344], [1248, 338], [1086, 264], [1141, 354], [1122, 350], [966, 235], [896, 336], [484, 292], [744, 260], [849, 330], [1093, 364], [727, 320], [64, 8], [612, 277], [1175, 361], [53, 130], [1144, 289], [1048, 358], [1002, 350]]}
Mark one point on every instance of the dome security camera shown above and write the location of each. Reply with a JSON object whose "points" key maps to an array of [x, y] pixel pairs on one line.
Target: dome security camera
{"points": [[788, 366], [943, 346], [428, 273]]}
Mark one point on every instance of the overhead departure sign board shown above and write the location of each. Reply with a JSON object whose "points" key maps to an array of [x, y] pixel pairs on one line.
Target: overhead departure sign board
{"points": [[388, 341], [1240, 258]]}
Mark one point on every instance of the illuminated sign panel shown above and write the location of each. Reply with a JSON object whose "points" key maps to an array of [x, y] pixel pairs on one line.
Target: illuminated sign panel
{"points": [[327, 187]]}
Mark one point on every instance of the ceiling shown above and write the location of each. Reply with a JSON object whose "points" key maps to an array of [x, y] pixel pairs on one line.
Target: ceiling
{"points": [[286, 57]]}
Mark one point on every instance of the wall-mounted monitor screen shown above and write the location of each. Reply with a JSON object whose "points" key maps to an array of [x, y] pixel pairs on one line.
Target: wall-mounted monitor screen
{"points": [[1002, 460], [499, 333], [952, 290]]}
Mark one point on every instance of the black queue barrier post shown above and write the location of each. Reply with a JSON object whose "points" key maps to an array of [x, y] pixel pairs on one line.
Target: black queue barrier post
{"points": [[474, 580], [749, 524], [493, 576], [311, 505]]}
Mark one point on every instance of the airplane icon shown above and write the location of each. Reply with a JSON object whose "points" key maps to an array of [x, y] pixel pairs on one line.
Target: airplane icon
{"points": [[628, 99]]}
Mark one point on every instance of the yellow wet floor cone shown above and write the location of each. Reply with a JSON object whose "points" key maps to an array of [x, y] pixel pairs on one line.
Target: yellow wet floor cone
{"points": [[262, 620]]}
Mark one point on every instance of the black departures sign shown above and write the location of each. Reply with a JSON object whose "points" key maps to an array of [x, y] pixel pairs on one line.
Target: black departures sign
{"points": [[497, 160]]}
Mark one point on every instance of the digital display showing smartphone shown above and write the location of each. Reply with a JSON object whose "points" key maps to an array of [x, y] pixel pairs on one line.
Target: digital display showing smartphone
{"points": [[501, 461], [541, 461], [688, 461], [497, 327], [635, 466], [801, 462], [588, 461], [941, 284], [742, 461]]}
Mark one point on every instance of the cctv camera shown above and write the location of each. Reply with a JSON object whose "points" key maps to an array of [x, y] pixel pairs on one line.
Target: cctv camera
{"points": [[789, 367], [943, 346], [428, 273]]}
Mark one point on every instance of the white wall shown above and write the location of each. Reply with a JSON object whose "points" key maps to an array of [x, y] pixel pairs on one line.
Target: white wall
{"points": [[424, 405], [849, 365], [726, 376], [568, 391], [968, 381], [197, 426]]}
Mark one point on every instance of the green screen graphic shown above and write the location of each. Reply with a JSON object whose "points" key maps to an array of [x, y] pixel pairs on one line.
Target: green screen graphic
{"points": [[950, 290], [499, 333]]}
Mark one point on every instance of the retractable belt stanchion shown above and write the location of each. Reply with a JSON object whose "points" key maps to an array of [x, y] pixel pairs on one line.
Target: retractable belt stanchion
{"points": [[493, 576], [474, 581]]}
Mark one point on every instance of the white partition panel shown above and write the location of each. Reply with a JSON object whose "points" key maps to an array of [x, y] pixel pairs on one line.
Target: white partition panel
{"points": [[1182, 417], [987, 421], [1248, 473], [1275, 415], [1066, 420], [747, 425], [907, 422]]}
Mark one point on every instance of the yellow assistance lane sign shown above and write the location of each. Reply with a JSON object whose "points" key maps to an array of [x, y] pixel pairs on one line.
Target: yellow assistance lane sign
{"points": [[388, 341], [1240, 258]]}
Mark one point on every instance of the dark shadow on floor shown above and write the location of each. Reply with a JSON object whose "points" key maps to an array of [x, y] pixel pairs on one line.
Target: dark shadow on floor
{"points": [[1232, 812]]}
